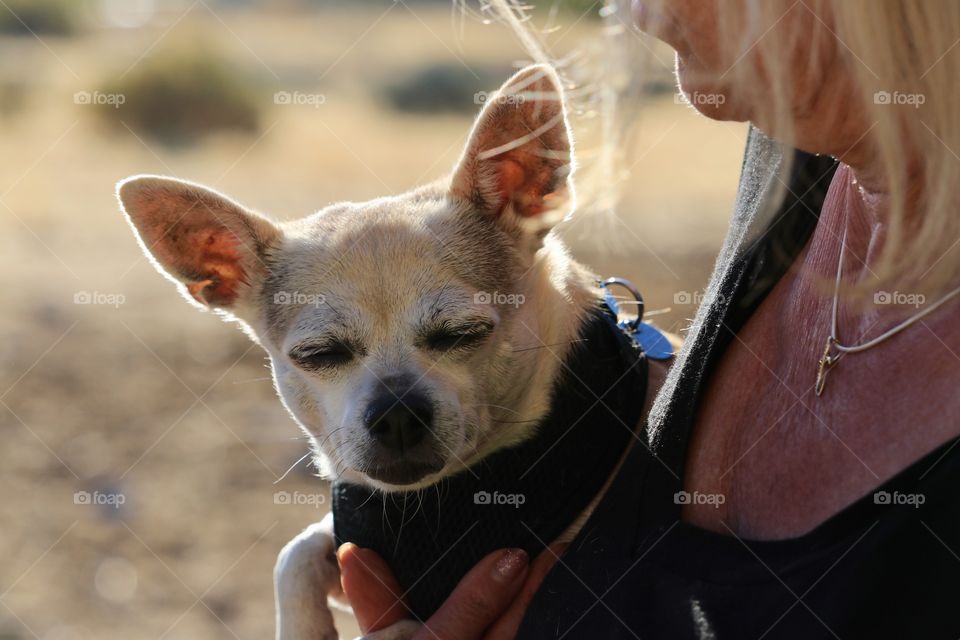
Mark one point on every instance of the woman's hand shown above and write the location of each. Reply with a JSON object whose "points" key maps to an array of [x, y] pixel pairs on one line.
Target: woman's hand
{"points": [[489, 602]]}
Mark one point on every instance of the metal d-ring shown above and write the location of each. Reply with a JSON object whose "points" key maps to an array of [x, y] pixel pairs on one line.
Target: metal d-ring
{"points": [[633, 325]]}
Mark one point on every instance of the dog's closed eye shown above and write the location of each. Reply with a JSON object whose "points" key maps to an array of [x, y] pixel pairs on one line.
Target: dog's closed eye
{"points": [[450, 337], [320, 356]]}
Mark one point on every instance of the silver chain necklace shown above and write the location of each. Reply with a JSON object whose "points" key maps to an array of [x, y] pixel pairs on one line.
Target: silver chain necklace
{"points": [[833, 350]]}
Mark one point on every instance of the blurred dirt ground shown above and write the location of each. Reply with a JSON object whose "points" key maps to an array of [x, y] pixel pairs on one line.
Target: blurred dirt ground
{"points": [[114, 391]]}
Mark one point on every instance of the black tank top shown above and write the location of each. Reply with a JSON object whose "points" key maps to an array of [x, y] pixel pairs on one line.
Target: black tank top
{"points": [[888, 566]]}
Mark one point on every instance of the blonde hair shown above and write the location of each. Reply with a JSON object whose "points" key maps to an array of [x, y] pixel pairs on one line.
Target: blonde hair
{"points": [[905, 61], [910, 48]]}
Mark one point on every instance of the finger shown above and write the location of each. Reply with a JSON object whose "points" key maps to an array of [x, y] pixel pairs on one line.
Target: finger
{"points": [[480, 598], [369, 585], [508, 624]]}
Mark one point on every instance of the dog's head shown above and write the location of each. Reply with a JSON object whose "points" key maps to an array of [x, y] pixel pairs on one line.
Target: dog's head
{"points": [[392, 325]]}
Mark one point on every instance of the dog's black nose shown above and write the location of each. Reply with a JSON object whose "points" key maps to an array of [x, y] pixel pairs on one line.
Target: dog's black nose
{"points": [[399, 424]]}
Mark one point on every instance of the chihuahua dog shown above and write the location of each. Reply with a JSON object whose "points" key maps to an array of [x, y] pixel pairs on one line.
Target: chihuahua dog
{"points": [[410, 336]]}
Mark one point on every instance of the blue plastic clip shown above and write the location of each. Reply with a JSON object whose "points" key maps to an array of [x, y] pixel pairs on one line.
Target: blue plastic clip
{"points": [[651, 340]]}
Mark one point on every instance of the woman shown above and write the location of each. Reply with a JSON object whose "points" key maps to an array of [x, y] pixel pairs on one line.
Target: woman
{"points": [[812, 417]]}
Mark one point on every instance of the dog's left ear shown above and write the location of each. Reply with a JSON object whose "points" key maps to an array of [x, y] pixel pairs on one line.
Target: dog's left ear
{"points": [[213, 248], [518, 161]]}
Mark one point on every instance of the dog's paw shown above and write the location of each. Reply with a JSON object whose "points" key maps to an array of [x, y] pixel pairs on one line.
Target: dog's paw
{"points": [[403, 630], [305, 574]]}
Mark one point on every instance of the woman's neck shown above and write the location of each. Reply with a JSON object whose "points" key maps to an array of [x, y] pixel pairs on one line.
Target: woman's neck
{"points": [[854, 211]]}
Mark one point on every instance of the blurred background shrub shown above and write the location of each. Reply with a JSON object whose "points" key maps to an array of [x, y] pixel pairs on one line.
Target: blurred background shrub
{"points": [[442, 87], [179, 95], [41, 17]]}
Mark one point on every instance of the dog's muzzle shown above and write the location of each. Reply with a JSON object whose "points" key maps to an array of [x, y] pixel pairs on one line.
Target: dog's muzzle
{"points": [[400, 425]]}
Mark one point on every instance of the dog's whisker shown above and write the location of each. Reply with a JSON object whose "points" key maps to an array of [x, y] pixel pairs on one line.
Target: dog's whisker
{"points": [[403, 522], [329, 435], [547, 346], [495, 406], [338, 466], [287, 472], [369, 498], [300, 437], [436, 489], [251, 380], [657, 312]]}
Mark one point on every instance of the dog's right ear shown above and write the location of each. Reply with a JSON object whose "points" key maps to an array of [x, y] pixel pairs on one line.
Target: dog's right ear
{"points": [[213, 248], [518, 163]]}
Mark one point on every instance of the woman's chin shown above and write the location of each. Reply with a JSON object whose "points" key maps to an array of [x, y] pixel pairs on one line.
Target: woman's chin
{"points": [[712, 99], [720, 112]]}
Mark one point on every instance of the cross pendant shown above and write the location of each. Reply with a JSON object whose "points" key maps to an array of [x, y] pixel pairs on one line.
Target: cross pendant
{"points": [[827, 360]]}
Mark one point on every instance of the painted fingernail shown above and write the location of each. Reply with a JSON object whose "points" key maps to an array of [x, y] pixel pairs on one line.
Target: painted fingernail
{"points": [[510, 565], [344, 548]]}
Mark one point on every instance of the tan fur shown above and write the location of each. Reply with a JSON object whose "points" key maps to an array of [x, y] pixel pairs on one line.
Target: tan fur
{"points": [[374, 280]]}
